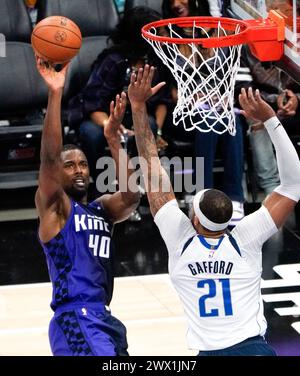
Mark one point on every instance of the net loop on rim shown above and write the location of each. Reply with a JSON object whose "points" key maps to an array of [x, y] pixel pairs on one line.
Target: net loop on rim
{"points": [[203, 54]]}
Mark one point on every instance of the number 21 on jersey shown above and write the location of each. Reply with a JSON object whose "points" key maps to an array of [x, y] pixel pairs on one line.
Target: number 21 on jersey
{"points": [[212, 296]]}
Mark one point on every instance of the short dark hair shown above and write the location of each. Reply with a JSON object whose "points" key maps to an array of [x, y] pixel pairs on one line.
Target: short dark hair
{"points": [[68, 147], [216, 206], [127, 38]]}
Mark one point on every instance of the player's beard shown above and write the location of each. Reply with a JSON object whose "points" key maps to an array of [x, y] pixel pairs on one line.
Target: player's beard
{"points": [[75, 193]]}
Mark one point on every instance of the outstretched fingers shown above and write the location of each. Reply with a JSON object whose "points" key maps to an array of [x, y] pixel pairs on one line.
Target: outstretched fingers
{"points": [[243, 99], [251, 98], [117, 107], [40, 64], [149, 74], [156, 88], [254, 106], [43, 64], [143, 76], [112, 107], [248, 101], [140, 76], [148, 78], [121, 102], [132, 78], [258, 97], [123, 99], [140, 89]]}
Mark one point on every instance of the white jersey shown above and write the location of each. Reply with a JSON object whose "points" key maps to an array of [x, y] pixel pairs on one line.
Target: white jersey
{"points": [[217, 280]]}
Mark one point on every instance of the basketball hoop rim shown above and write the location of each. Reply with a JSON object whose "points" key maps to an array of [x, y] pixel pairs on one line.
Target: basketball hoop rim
{"points": [[227, 24], [206, 82], [245, 35]]}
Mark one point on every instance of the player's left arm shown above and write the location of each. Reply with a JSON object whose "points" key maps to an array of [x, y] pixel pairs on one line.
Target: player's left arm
{"points": [[157, 182], [120, 204], [282, 201]]}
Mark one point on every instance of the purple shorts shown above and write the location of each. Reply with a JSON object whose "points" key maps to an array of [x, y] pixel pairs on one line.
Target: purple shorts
{"points": [[79, 329]]}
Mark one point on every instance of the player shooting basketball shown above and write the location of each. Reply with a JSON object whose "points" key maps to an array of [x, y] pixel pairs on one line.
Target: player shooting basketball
{"points": [[216, 273], [76, 236]]}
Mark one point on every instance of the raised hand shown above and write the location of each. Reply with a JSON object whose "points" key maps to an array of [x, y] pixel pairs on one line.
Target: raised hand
{"points": [[54, 80], [290, 107], [140, 90], [254, 106], [113, 126]]}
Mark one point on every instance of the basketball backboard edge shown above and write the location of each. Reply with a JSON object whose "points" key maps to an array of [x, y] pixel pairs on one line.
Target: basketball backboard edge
{"points": [[290, 10]]}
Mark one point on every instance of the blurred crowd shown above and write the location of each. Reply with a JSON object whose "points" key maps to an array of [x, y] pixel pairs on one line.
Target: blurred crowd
{"points": [[126, 51]]}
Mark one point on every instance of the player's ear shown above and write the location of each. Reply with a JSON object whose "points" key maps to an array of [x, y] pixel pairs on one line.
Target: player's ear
{"points": [[191, 213], [195, 221]]}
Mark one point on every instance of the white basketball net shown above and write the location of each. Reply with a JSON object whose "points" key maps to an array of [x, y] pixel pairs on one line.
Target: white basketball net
{"points": [[205, 84]]}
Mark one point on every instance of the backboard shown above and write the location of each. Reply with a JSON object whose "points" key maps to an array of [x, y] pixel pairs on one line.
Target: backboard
{"points": [[290, 11]]}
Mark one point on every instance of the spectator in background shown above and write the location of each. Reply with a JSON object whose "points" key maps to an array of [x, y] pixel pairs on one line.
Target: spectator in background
{"points": [[215, 8], [283, 94], [120, 5], [185, 8], [277, 88], [31, 6], [206, 143], [30, 3], [89, 110]]}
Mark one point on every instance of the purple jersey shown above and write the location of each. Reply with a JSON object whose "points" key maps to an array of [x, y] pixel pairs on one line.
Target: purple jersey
{"points": [[80, 257]]}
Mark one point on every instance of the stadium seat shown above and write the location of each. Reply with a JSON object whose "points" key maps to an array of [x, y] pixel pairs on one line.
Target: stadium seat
{"points": [[154, 4], [23, 95], [94, 17], [80, 68], [78, 75], [22, 89], [15, 23]]}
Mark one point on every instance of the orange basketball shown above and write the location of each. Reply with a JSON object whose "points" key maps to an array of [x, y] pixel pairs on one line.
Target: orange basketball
{"points": [[56, 39]]}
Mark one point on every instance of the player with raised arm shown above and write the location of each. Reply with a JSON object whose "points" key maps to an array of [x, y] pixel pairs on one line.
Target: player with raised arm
{"points": [[217, 274], [76, 235]]}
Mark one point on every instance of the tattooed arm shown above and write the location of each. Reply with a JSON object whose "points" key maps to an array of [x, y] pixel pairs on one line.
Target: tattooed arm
{"points": [[157, 182]]}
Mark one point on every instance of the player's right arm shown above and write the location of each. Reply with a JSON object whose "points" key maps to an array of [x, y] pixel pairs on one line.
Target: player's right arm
{"points": [[158, 185], [175, 227], [282, 201], [52, 203]]}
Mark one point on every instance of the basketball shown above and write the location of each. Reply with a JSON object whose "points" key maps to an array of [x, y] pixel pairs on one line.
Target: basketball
{"points": [[56, 39]]}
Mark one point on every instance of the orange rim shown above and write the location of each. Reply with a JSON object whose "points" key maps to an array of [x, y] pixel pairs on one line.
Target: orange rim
{"points": [[269, 29]]}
